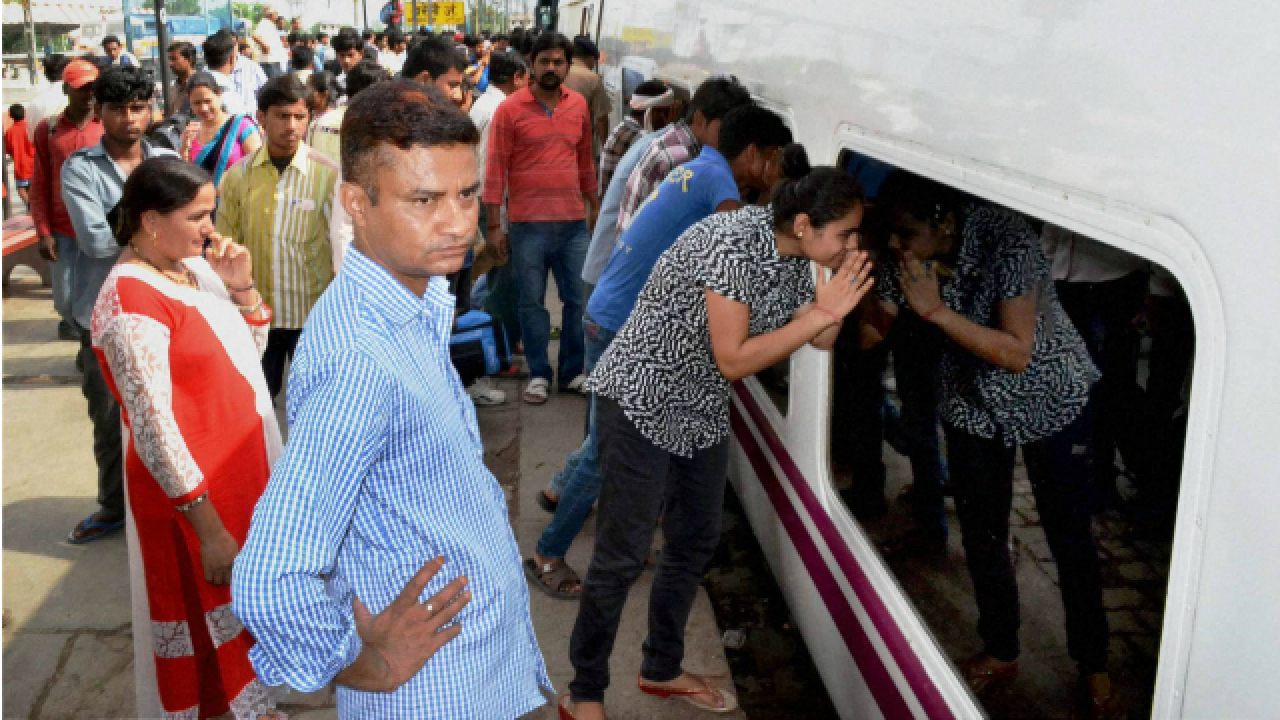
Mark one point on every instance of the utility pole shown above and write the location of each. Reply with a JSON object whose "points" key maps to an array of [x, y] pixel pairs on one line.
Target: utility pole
{"points": [[162, 45], [30, 21]]}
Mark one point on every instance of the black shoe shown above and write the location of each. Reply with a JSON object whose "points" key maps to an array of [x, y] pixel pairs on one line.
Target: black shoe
{"points": [[67, 332]]}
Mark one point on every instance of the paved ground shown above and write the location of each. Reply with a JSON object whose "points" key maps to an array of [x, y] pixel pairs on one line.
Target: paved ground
{"points": [[67, 636]]}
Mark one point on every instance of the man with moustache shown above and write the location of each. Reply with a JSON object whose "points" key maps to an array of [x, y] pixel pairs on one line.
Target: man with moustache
{"points": [[381, 536], [540, 157]]}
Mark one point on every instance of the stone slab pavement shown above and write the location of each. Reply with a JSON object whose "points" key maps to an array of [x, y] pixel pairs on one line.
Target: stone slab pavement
{"points": [[67, 640]]}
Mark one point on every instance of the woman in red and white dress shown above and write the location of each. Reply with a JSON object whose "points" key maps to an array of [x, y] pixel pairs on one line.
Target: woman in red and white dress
{"points": [[180, 336]]}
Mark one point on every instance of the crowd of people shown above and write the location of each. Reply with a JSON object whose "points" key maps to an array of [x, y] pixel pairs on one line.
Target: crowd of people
{"points": [[323, 205]]}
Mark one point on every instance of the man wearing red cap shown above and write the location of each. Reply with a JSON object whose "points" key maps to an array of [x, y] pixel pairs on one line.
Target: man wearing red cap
{"points": [[56, 137]]}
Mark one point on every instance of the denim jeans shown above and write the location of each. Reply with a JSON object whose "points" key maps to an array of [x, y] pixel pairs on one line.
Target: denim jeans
{"points": [[578, 485], [1058, 467], [641, 482], [558, 247], [63, 280]]}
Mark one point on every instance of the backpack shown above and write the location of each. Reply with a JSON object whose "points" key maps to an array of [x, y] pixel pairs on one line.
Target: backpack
{"points": [[478, 347], [168, 132]]}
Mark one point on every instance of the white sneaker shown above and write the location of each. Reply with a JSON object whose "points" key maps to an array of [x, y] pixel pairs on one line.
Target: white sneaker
{"points": [[483, 393], [576, 384], [535, 393]]}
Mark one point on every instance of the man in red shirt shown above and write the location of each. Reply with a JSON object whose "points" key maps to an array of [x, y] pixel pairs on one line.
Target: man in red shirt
{"points": [[56, 138], [540, 157], [18, 145]]}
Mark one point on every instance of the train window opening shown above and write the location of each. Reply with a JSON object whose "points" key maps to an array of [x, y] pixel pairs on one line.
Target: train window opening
{"points": [[1085, 432]]}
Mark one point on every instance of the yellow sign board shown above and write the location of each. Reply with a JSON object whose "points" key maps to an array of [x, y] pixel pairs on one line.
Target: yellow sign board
{"points": [[436, 13]]}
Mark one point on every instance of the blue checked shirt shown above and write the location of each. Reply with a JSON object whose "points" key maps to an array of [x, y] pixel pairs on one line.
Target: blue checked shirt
{"points": [[382, 473]]}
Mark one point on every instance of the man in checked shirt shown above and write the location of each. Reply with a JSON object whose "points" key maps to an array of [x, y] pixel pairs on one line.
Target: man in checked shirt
{"points": [[380, 558]]}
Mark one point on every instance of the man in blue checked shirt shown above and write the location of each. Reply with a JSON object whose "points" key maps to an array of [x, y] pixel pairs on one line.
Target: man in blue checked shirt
{"points": [[380, 557]]}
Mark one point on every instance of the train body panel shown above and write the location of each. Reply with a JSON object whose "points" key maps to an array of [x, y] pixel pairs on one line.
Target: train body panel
{"points": [[1148, 126]]}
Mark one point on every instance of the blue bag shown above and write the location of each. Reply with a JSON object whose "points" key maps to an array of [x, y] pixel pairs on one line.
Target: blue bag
{"points": [[478, 346]]}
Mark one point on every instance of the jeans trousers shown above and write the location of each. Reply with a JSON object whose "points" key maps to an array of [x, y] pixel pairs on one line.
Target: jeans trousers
{"points": [[917, 351], [1058, 467], [578, 485], [108, 448], [641, 481], [561, 248], [63, 281], [280, 345]]}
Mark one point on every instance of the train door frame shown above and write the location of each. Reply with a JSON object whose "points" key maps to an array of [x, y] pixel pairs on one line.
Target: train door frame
{"points": [[1156, 238]]}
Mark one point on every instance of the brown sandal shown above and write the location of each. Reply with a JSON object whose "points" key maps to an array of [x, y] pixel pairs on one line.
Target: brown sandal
{"points": [[728, 702], [554, 578]]}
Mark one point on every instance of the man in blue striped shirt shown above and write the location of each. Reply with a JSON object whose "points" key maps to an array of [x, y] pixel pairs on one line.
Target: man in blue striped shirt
{"points": [[380, 557]]}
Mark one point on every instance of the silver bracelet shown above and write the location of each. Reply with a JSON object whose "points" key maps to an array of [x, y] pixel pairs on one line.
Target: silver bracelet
{"points": [[193, 503], [252, 309]]}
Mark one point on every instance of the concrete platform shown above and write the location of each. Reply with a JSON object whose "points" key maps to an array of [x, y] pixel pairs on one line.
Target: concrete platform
{"points": [[67, 636]]}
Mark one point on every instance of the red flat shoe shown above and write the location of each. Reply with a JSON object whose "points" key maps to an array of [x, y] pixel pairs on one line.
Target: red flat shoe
{"points": [[729, 700]]}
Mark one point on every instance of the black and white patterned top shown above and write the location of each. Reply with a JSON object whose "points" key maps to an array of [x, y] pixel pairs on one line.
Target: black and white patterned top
{"points": [[660, 368], [1001, 258]]}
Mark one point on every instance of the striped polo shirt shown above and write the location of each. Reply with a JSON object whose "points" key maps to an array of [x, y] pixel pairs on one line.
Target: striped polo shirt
{"points": [[541, 159], [283, 219]]}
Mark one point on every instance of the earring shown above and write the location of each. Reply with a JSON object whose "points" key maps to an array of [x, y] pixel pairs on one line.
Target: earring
{"points": [[799, 236]]}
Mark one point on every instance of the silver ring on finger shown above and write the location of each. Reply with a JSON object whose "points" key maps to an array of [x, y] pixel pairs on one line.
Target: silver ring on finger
{"points": [[430, 610]]}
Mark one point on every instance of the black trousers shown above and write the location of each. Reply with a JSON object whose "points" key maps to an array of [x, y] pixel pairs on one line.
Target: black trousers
{"points": [[280, 345], [104, 412], [982, 473], [1103, 313], [640, 482]]}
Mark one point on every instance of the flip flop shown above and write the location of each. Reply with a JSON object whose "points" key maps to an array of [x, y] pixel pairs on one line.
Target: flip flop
{"points": [[689, 695], [552, 578], [90, 529]]}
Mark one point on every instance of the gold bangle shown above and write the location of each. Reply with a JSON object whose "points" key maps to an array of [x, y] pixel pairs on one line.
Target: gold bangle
{"points": [[193, 503]]}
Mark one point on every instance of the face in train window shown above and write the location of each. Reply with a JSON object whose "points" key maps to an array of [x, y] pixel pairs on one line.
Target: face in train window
{"points": [[1007, 426]]}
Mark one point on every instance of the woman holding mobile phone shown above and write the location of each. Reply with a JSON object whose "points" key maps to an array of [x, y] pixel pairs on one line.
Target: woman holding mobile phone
{"points": [[180, 339]]}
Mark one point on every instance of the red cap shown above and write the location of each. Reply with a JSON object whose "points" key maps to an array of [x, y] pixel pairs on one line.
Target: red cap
{"points": [[459, 36], [79, 73]]}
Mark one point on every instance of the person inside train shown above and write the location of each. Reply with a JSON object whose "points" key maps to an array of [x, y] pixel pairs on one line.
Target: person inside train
{"points": [[746, 159], [735, 294], [1014, 374]]}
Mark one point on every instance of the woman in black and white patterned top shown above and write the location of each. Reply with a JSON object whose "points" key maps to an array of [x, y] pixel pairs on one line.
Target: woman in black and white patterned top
{"points": [[734, 295], [1015, 373]]}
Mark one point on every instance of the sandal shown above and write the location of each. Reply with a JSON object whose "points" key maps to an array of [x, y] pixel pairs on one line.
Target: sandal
{"points": [[981, 676], [91, 528], [726, 701], [535, 393], [563, 708], [554, 578]]}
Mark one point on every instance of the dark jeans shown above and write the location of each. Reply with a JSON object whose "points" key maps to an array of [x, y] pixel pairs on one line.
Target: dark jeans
{"points": [[108, 449], [917, 350], [502, 302], [578, 485], [280, 345], [982, 472], [1103, 314], [642, 481], [560, 249]]}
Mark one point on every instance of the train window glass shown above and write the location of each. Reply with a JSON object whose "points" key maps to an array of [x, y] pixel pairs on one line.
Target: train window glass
{"points": [[911, 425]]}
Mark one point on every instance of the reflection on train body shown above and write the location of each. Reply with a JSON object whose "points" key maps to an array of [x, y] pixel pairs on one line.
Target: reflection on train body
{"points": [[894, 468]]}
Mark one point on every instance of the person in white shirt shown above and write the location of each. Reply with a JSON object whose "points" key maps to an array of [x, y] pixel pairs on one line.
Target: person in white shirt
{"points": [[1102, 290], [267, 38], [397, 48], [239, 85], [116, 53], [51, 99]]}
